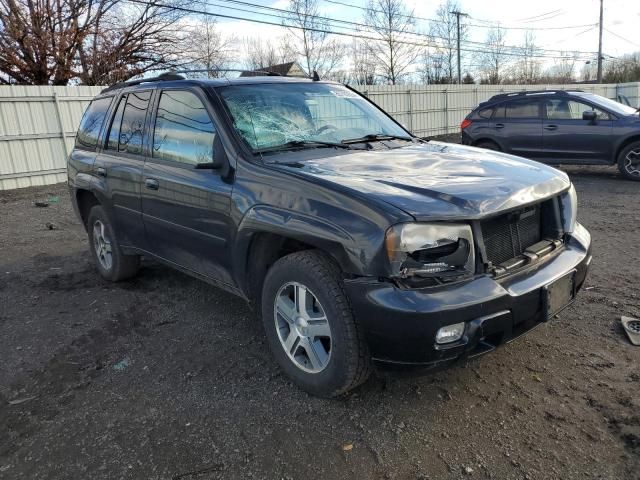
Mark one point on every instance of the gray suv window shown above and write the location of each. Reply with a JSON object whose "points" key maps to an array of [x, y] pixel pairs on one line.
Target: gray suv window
{"points": [[128, 122], [184, 131], [520, 109], [92, 121]]}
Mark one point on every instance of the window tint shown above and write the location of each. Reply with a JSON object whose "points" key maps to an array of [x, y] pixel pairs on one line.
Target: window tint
{"points": [[132, 125], [114, 131], [184, 132], [92, 121], [522, 109], [563, 109]]}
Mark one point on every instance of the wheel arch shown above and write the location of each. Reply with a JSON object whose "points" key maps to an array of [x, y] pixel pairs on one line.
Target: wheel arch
{"points": [[266, 234], [486, 140], [623, 144]]}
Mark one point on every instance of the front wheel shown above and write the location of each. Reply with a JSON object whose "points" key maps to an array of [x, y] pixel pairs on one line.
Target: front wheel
{"points": [[629, 161], [310, 327]]}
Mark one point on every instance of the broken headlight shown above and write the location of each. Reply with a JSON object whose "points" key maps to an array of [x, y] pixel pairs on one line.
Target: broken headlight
{"points": [[569, 209], [436, 251]]}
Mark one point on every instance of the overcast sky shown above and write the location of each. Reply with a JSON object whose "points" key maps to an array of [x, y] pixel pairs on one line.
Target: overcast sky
{"points": [[549, 18]]}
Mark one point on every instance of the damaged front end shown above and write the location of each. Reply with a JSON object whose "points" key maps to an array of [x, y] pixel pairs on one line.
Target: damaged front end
{"points": [[426, 254]]}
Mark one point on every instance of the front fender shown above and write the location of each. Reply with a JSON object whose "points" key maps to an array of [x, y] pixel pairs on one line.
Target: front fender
{"points": [[355, 250]]}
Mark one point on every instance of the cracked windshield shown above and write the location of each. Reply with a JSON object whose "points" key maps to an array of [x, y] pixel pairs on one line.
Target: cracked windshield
{"points": [[275, 116]]}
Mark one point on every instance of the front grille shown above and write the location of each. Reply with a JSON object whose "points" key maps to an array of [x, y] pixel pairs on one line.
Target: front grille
{"points": [[509, 235]]}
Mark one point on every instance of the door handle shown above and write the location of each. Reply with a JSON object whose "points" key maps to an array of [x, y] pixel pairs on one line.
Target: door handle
{"points": [[499, 125], [550, 127], [102, 172], [151, 184]]}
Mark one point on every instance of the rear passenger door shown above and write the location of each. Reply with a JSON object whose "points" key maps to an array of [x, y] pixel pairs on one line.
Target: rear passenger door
{"points": [[186, 210], [119, 165], [517, 126]]}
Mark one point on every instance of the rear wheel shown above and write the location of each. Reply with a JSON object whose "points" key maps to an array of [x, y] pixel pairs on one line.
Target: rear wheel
{"points": [[112, 264], [489, 145], [629, 161], [310, 327]]}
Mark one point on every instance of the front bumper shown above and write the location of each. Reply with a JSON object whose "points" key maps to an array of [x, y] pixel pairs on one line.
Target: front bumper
{"points": [[400, 325]]}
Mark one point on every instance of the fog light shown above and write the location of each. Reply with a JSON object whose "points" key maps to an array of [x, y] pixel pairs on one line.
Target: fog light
{"points": [[450, 333]]}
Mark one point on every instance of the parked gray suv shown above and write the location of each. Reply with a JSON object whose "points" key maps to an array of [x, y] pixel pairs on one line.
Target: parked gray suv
{"points": [[570, 127], [357, 243]]}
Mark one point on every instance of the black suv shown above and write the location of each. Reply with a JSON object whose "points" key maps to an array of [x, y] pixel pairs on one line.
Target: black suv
{"points": [[356, 242], [570, 127]]}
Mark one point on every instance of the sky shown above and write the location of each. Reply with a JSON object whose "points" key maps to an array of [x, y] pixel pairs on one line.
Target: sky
{"points": [[551, 20]]}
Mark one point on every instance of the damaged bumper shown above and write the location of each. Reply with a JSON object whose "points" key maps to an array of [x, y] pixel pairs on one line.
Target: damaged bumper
{"points": [[401, 324]]}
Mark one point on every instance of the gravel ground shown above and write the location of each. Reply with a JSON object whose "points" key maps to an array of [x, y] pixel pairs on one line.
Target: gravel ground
{"points": [[165, 377]]}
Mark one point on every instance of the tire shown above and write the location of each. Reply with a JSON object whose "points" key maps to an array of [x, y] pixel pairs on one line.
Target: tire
{"points": [[488, 145], [629, 161], [341, 361], [112, 264]]}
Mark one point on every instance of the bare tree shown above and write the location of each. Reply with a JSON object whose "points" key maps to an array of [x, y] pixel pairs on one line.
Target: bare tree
{"points": [[363, 70], [208, 49], [95, 41], [260, 54], [623, 69], [431, 65], [563, 69], [494, 57], [444, 31], [528, 68], [391, 21], [319, 51]]}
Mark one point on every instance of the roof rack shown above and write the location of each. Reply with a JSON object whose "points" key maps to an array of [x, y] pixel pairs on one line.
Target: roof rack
{"points": [[176, 75], [167, 76], [533, 92]]}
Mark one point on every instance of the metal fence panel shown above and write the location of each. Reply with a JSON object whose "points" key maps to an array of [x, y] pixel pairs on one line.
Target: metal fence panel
{"points": [[37, 129], [38, 123]]}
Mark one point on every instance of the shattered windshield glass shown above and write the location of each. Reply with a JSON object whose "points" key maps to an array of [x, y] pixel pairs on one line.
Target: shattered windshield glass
{"points": [[269, 116]]}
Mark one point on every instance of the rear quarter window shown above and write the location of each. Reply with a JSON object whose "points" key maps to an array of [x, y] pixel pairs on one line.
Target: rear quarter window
{"points": [[483, 114], [92, 121]]}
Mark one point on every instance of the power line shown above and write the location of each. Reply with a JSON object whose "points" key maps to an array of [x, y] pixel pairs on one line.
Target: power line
{"points": [[621, 37], [491, 23], [154, 4], [514, 48]]}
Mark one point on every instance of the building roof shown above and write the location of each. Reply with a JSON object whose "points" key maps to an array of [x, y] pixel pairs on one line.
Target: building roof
{"points": [[292, 69]]}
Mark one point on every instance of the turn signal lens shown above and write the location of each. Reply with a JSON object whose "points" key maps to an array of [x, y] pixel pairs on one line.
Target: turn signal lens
{"points": [[465, 123]]}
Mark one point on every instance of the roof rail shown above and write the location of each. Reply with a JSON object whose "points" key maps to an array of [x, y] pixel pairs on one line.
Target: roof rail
{"points": [[167, 76], [533, 92], [225, 70]]}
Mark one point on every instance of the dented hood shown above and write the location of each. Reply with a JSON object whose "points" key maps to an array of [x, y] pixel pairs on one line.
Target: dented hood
{"points": [[440, 180]]}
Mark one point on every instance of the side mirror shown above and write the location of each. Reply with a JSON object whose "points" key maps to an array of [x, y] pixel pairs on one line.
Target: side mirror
{"points": [[218, 157], [589, 115]]}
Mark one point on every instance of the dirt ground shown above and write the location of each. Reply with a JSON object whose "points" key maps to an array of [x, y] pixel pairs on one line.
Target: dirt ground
{"points": [[165, 377]]}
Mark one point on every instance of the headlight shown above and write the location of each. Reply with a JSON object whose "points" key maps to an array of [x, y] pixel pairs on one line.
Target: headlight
{"points": [[430, 250], [569, 209]]}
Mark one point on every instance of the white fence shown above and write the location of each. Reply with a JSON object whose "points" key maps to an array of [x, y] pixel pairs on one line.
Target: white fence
{"points": [[38, 123]]}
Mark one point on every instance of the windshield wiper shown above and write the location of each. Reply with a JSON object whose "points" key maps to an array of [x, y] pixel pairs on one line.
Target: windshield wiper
{"points": [[376, 137], [303, 143]]}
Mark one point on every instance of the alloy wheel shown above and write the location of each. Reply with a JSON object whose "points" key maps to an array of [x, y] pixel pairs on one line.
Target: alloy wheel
{"points": [[632, 162], [102, 245], [302, 327]]}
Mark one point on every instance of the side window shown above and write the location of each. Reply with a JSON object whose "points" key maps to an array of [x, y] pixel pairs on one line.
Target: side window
{"points": [[184, 131], [484, 113], [92, 121], [114, 131], [522, 109], [132, 125], [563, 109]]}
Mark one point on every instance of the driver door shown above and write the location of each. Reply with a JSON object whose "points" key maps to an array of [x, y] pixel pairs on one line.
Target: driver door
{"points": [[567, 137], [186, 210]]}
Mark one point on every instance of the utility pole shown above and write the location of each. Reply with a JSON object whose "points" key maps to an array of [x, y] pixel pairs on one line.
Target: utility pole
{"points": [[457, 14], [600, 46]]}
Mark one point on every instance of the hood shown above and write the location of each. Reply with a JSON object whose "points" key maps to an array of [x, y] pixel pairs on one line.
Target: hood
{"points": [[441, 181]]}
